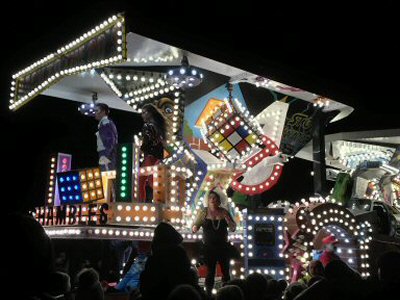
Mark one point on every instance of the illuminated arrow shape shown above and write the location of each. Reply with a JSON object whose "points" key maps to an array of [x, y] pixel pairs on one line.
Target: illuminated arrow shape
{"points": [[263, 170]]}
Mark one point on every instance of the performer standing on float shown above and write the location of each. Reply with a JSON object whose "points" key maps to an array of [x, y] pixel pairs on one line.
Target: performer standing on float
{"points": [[107, 138], [153, 132], [215, 221]]}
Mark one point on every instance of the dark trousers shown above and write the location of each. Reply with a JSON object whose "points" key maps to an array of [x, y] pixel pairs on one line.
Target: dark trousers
{"points": [[211, 260], [146, 180]]}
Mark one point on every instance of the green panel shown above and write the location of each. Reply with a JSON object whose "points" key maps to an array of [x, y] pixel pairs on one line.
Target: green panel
{"points": [[124, 182]]}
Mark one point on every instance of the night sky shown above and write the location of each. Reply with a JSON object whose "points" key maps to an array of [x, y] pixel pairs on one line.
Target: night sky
{"points": [[345, 53]]}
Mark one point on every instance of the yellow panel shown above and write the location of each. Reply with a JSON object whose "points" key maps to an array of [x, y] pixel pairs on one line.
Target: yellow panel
{"points": [[225, 145], [89, 174], [96, 173], [82, 175], [93, 195], [217, 137], [251, 139], [211, 105]]}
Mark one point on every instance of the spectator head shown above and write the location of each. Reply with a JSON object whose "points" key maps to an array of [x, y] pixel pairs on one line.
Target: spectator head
{"points": [[240, 283], [282, 285], [27, 251], [184, 292], [165, 235], [316, 268], [293, 290], [230, 292], [59, 283], [339, 270], [389, 267], [272, 287], [256, 286], [314, 279], [89, 286]]}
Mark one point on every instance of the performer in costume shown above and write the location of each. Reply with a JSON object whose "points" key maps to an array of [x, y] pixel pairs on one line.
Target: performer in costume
{"points": [[107, 138], [215, 221], [153, 132]]}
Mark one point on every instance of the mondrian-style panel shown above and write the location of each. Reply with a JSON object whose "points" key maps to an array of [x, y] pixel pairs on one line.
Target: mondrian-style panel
{"points": [[231, 132], [124, 182], [80, 186]]}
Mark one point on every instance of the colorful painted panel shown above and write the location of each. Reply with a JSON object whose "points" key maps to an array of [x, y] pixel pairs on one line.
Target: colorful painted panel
{"points": [[231, 131], [80, 186]]}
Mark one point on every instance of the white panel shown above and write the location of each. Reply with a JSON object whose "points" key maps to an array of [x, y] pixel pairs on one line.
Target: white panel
{"points": [[81, 87], [272, 120]]}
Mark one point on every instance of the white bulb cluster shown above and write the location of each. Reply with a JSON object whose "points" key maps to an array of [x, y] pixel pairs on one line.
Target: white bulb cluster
{"points": [[273, 119], [16, 101], [246, 114], [321, 102], [270, 150], [311, 217], [253, 221], [52, 181], [262, 82], [63, 232], [151, 59], [148, 93], [134, 214], [111, 84]]}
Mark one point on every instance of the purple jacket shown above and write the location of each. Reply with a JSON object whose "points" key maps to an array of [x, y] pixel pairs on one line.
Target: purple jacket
{"points": [[107, 140]]}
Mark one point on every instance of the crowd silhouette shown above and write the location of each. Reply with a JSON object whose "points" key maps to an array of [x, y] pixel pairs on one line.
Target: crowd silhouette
{"points": [[30, 270]]}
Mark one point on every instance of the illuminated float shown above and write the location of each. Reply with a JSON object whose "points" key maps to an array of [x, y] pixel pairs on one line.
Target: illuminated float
{"points": [[213, 142]]}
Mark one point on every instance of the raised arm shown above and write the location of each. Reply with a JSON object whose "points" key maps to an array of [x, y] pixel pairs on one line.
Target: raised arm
{"points": [[201, 215], [229, 219]]}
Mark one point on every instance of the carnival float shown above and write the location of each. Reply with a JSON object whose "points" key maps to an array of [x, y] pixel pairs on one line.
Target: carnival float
{"points": [[215, 141]]}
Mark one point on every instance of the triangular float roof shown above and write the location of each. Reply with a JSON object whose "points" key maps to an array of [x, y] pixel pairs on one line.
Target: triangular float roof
{"points": [[79, 83]]}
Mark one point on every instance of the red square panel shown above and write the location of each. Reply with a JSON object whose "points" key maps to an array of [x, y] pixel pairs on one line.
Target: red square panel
{"points": [[240, 147], [227, 129]]}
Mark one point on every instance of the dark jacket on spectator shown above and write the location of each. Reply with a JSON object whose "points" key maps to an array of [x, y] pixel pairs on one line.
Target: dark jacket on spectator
{"points": [[167, 266]]}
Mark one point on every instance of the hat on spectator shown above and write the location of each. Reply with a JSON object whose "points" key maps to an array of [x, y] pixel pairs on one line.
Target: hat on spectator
{"points": [[330, 239]]}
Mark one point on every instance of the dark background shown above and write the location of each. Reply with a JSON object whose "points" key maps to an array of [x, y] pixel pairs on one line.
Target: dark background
{"points": [[347, 53]]}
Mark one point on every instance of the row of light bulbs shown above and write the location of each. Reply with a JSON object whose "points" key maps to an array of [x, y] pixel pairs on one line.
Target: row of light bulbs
{"points": [[112, 21], [343, 218]]}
